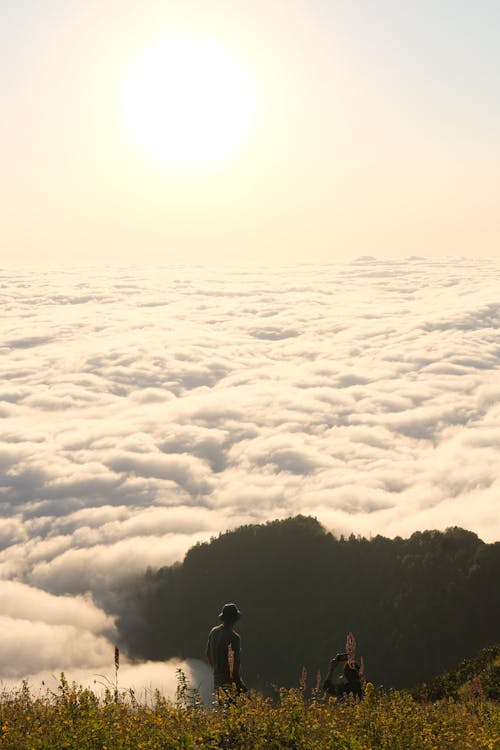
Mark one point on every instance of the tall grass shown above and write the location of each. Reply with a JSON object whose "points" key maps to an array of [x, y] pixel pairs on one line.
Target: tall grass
{"points": [[74, 718]]}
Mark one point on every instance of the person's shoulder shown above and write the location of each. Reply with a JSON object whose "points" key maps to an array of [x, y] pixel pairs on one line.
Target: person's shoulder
{"points": [[215, 629]]}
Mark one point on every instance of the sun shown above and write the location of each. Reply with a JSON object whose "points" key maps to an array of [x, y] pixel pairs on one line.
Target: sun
{"points": [[188, 102]]}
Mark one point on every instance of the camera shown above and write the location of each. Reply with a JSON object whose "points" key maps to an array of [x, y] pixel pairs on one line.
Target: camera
{"points": [[342, 657]]}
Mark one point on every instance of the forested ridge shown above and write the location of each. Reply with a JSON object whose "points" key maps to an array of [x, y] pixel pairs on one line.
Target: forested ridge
{"points": [[417, 606]]}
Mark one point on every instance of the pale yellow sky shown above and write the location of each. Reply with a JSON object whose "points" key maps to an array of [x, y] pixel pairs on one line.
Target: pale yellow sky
{"points": [[376, 135]]}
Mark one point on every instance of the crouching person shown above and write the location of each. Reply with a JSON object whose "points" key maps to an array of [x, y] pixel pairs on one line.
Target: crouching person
{"points": [[223, 654], [349, 684]]}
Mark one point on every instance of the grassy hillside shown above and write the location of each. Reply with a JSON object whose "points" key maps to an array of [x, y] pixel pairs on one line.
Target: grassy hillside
{"points": [[478, 677], [75, 719]]}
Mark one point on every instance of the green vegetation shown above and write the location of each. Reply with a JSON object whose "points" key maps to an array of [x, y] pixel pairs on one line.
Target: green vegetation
{"points": [[74, 718], [478, 677], [418, 606]]}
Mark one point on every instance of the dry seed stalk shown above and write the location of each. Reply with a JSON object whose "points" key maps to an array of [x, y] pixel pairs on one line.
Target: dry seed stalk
{"points": [[362, 675], [350, 647], [230, 660], [318, 680], [303, 678]]}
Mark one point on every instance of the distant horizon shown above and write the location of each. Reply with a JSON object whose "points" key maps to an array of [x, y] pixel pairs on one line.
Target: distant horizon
{"points": [[251, 264]]}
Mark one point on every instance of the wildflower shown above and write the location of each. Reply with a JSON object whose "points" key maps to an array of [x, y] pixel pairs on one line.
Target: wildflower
{"points": [[369, 690]]}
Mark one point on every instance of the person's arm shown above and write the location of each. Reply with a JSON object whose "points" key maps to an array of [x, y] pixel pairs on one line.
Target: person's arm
{"points": [[208, 652], [333, 666], [237, 679]]}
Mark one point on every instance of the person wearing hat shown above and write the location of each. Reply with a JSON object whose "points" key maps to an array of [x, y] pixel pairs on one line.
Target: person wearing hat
{"points": [[223, 651]]}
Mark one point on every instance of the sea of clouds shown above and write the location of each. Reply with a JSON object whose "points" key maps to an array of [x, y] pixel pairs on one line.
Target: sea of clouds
{"points": [[142, 411]]}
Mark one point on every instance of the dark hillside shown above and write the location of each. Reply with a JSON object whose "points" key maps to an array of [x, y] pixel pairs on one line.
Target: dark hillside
{"points": [[478, 677], [417, 605]]}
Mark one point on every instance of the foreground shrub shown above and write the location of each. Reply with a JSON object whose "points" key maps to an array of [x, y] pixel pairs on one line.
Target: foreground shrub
{"points": [[74, 718]]}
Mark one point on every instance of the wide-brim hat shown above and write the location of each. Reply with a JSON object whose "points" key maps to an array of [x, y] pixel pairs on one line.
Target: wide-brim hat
{"points": [[230, 612]]}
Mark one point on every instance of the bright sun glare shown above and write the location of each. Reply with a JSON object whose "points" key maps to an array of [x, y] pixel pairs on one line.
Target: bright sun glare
{"points": [[188, 102]]}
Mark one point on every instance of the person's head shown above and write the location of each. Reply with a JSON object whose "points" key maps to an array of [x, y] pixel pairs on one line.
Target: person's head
{"points": [[229, 614]]}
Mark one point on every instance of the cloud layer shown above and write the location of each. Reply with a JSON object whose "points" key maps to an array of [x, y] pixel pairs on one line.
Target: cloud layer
{"points": [[142, 411], [42, 635], [143, 679]]}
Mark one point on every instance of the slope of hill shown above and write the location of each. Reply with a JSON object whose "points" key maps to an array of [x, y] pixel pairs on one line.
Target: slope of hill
{"points": [[417, 606], [478, 677]]}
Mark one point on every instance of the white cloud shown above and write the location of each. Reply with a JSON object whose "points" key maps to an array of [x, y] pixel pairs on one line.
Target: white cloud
{"points": [[42, 635], [22, 602], [27, 646], [99, 566], [41, 631], [143, 411]]}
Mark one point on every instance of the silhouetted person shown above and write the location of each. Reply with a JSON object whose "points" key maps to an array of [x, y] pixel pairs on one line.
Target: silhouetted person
{"points": [[223, 651], [351, 682]]}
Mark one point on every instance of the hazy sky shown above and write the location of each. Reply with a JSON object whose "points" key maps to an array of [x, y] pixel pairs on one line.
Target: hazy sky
{"points": [[377, 133]]}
